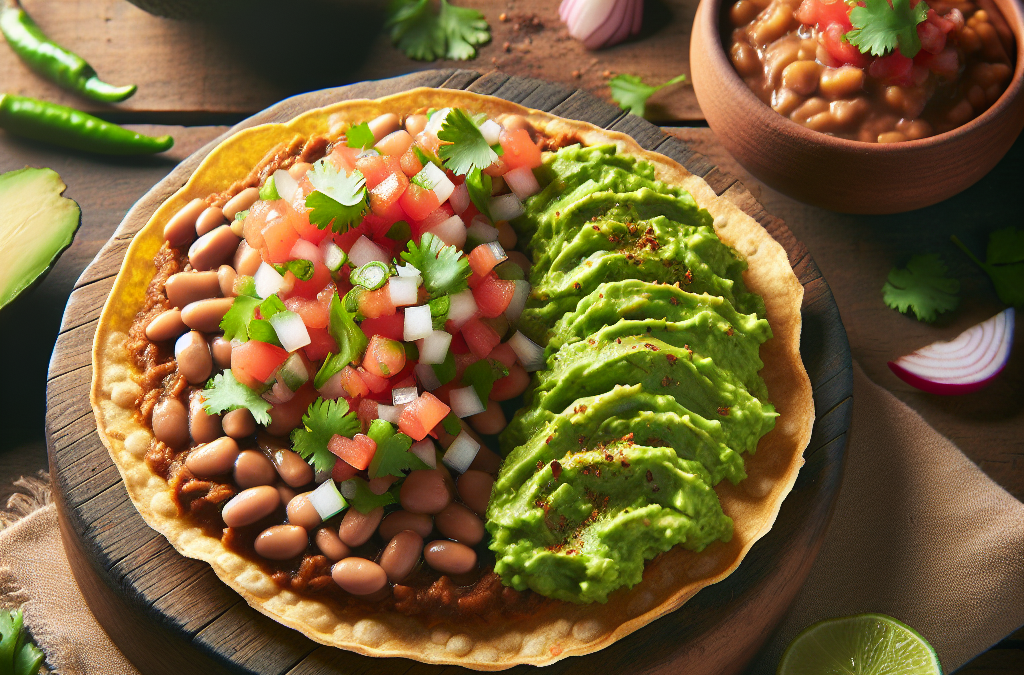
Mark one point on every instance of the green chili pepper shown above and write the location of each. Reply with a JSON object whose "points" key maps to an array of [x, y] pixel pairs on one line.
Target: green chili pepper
{"points": [[50, 60], [72, 128]]}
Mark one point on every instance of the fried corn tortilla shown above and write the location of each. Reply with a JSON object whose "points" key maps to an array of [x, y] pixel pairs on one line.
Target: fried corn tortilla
{"points": [[559, 629]]}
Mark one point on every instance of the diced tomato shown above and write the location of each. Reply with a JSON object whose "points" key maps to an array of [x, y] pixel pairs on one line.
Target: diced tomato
{"points": [[309, 289], [344, 157], [374, 383], [278, 239], [353, 384], [254, 362], [404, 382], [483, 260], [384, 357], [260, 214], [320, 344], [342, 471], [345, 239], [474, 279], [411, 164], [307, 230], [841, 50], [374, 304], [493, 295], [511, 385], [946, 63], [504, 354], [435, 217], [497, 168], [286, 416], [357, 451], [384, 198], [933, 38], [458, 345], [520, 150], [375, 168], [480, 337], [422, 415], [367, 412], [313, 313], [395, 144], [893, 67], [391, 327], [418, 202]]}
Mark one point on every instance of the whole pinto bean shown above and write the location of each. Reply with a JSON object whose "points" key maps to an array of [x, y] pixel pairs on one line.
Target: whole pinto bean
{"points": [[250, 505], [213, 248], [331, 545], [425, 491], [396, 521], [357, 528], [247, 259], [209, 220], [240, 202], [203, 426], [226, 278], [221, 350], [192, 353], [401, 555], [252, 468], [170, 422], [206, 315], [459, 523], [281, 542], [384, 125], [359, 576], [449, 557], [181, 228], [475, 489], [490, 421], [292, 468], [239, 423], [301, 512], [185, 288], [166, 326], [213, 459]]}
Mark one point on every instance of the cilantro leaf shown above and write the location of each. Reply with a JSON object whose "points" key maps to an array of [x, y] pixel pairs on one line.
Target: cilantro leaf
{"points": [[300, 267], [444, 269], [246, 285], [466, 148], [392, 457], [479, 186], [339, 200], [465, 29], [321, 422], [452, 425], [224, 393], [879, 27], [17, 653], [347, 335], [235, 323], [445, 370], [631, 93], [439, 308], [261, 330], [481, 376], [1004, 263], [923, 287], [425, 34], [364, 500], [360, 136]]}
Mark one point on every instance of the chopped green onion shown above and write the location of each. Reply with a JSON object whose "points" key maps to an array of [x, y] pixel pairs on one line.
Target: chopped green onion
{"points": [[301, 268], [241, 215], [371, 276]]}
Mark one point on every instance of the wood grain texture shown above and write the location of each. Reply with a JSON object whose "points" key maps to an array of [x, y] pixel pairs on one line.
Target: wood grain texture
{"points": [[132, 577]]}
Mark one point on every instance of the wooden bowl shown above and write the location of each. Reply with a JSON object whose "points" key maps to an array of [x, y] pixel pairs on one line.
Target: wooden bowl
{"points": [[840, 174]]}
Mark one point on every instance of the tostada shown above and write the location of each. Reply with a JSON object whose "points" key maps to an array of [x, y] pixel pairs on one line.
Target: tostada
{"points": [[440, 377]]}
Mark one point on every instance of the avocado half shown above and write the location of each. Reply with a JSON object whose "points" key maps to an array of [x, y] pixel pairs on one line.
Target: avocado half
{"points": [[36, 226]]}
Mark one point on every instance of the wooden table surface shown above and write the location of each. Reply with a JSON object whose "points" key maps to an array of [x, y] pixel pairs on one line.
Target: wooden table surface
{"points": [[194, 78]]}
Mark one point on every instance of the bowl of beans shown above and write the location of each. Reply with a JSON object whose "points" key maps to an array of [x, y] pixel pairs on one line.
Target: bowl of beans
{"points": [[865, 107]]}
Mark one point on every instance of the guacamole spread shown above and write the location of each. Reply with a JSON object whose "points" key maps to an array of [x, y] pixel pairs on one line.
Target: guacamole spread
{"points": [[650, 394]]}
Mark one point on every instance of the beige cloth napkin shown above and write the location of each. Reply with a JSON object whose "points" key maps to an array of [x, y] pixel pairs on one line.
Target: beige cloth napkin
{"points": [[919, 533]]}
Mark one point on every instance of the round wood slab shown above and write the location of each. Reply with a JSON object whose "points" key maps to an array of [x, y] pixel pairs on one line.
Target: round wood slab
{"points": [[170, 614]]}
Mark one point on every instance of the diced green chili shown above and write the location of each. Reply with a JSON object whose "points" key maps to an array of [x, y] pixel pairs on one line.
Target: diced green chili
{"points": [[371, 276], [300, 267]]}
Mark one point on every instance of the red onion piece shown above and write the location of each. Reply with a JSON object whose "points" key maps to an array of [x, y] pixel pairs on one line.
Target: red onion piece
{"points": [[622, 31], [601, 23], [601, 37], [638, 18]]}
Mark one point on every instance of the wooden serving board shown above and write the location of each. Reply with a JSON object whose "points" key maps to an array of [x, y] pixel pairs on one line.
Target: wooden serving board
{"points": [[170, 614]]}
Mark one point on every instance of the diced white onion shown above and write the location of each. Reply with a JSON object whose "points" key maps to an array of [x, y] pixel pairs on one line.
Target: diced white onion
{"points": [[388, 413], [481, 231], [333, 256], [434, 347], [425, 450], [364, 251], [461, 452], [427, 377], [463, 308], [290, 329], [530, 354], [285, 185], [506, 207], [348, 488], [438, 181], [522, 182], [518, 302], [491, 131], [267, 281], [332, 388], [404, 395], [418, 323], [403, 291], [452, 232], [436, 120], [466, 402], [460, 198], [327, 500], [407, 271]]}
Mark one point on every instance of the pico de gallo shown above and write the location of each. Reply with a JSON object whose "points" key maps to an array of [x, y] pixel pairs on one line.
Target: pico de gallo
{"points": [[878, 71], [335, 335]]}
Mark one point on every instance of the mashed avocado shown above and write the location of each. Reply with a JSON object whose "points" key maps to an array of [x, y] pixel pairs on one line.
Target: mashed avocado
{"points": [[651, 392]]}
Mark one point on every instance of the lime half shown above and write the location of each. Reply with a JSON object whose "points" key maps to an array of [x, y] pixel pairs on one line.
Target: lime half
{"points": [[864, 644]]}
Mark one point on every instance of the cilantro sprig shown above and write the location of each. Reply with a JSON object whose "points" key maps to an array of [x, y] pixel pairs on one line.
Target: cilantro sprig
{"points": [[364, 500], [360, 136], [631, 92], [224, 393], [879, 28], [392, 457], [1004, 263], [479, 185], [922, 287], [18, 655], [425, 34], [322, 421], [339, 200], [482, 375], [349, 337], [466, 149], [445, 270]]}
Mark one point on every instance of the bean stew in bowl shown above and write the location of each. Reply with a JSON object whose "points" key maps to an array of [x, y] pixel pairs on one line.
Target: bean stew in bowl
{"points": [[829, 102]]}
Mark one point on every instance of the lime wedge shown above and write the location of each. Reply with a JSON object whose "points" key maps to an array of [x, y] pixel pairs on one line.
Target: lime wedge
{"points": [[864, 644]]}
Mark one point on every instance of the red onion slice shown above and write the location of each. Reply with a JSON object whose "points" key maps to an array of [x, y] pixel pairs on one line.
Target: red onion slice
{"points": [[638, 17], [600, 37], [625, 26]]}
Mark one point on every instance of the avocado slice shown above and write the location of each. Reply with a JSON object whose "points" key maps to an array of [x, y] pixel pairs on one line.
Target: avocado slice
{"points": [[36, 226]]}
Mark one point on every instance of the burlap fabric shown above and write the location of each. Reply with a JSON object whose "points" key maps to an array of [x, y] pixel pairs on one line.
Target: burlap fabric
{"points": [[919, 533]]}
